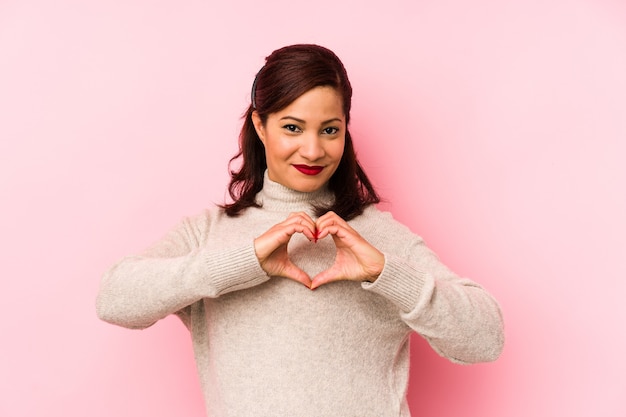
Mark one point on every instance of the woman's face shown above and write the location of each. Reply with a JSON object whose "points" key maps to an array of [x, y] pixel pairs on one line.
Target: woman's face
{"points": [[304, 141]]}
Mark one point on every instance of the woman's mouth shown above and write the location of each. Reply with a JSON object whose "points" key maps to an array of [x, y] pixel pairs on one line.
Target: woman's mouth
{"points": [[309, 170]]}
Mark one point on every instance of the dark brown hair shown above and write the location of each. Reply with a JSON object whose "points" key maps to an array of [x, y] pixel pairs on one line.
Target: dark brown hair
{"points": [[288, 73]]}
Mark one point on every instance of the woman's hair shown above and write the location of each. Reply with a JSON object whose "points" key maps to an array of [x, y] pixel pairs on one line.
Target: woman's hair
{"points": [[288, 73]]}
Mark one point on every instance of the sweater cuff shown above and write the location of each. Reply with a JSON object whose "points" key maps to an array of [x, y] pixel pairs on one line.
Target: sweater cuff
{"points": [[232, 270], [403, 284]]}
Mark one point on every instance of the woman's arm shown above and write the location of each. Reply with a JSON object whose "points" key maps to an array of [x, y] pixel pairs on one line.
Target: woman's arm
{"points": [[174, 273], [459, 319]]}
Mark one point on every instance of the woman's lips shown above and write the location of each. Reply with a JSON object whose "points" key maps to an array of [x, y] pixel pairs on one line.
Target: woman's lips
{"points": [[309, 170]]}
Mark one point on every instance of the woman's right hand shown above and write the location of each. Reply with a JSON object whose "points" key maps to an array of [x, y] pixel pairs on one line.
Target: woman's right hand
{"points": [[271, 247]]}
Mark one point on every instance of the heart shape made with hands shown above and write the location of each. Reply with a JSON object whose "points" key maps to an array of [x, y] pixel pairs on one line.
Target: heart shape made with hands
{"points": [[355, 258]]}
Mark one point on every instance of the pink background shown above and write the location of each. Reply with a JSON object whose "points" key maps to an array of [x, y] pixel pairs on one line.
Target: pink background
{"points": [[496, 130]]}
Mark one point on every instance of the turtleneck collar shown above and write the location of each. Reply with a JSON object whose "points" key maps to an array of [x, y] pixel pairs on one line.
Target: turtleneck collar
{"points": [[276, 197]]}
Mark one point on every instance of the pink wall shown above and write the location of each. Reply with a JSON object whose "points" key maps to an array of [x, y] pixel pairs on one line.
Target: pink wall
{"points": [[497, 132]]}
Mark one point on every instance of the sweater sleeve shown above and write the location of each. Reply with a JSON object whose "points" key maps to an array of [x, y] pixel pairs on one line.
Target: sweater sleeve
{"points": [[458, 318], [173, 274]]}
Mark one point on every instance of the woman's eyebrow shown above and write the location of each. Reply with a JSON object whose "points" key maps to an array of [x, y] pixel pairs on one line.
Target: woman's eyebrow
{"points": [[336, 119], [293, 118]]}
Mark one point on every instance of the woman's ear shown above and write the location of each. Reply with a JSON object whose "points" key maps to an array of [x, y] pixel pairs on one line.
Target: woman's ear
{"points": [[258, 126]]}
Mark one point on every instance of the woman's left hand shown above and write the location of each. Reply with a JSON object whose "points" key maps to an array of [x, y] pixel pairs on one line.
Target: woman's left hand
{"points": [[356, 258]]}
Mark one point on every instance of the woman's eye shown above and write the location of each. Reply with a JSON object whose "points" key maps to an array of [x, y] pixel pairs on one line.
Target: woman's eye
{"points": [[291, 128], [330, 130]]}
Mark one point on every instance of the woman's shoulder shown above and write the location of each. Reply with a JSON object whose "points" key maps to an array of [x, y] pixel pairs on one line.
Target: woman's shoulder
{"points": [[373, 219], [215, 217], [200, 222], [380, 228]]}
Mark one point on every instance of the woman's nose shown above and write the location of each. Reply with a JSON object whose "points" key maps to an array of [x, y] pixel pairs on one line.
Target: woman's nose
{"points": [[312, 148]]}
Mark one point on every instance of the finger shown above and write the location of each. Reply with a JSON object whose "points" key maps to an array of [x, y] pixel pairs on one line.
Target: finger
{"points": [[337, 231], [330, 223], [306, 229], [281, 233], [324, 277], [330, 216], [300, 217], [302, 223], [294, 273], [276, 237]]}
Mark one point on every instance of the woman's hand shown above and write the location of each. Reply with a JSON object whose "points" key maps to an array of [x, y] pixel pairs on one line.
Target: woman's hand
{"points": [[356, 258], [271, 247]]}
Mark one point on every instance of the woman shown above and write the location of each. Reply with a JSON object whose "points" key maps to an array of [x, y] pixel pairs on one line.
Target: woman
{"points": [[302, 218]]}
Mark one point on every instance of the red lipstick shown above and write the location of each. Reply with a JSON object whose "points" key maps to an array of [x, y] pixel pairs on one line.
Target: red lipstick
{"points": [[309, 170]]}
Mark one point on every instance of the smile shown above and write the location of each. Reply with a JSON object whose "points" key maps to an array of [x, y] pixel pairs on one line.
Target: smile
{"points": [[308, 170]]}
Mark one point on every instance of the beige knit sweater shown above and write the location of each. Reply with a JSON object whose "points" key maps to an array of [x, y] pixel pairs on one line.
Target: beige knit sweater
{"points": [[270, 346]]}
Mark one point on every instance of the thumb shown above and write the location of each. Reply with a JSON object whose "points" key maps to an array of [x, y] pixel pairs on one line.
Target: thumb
{"points": [[294, 273], [324, 277]]}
